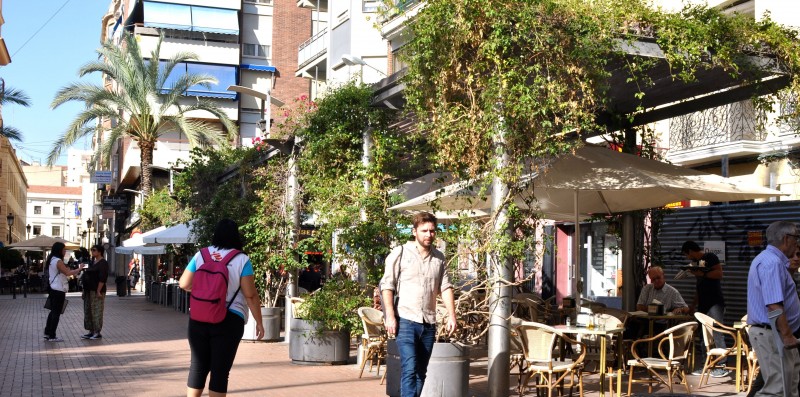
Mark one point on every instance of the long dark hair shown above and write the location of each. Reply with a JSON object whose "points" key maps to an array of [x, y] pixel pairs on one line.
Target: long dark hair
{"points": [[226, 235], [56, 252]]}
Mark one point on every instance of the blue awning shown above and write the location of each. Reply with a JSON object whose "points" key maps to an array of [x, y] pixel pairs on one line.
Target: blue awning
{"points": [[215, 20], [190, 17], [259, 68], [167, 16]]}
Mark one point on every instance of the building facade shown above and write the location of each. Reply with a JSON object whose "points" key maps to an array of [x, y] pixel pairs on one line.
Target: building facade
{"points": [[246, 43], [344, 44], [13, 194]]}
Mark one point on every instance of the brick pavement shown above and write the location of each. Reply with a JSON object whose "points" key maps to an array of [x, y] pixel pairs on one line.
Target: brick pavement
{"points": [[144, 352]]}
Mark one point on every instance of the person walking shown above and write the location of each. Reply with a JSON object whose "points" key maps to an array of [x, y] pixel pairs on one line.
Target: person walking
{"points": [[94, 293], [133, 274], [59, 285], [708, 297], [416, 273], [770, 287], [213, 345]]}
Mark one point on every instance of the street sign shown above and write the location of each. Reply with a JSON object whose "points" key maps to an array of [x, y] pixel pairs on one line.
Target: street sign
{"points": [[101, 177], [115, 202]]}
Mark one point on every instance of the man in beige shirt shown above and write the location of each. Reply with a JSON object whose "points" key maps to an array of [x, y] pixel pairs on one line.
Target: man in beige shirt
{"points": [[416, 272]]}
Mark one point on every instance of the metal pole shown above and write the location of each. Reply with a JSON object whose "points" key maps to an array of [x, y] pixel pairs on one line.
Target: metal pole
{"points": [[500, 273], [294, 215], [628, 274]]}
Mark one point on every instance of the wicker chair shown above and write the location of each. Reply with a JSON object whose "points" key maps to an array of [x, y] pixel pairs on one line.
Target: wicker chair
{"points": [[674, 345], [539, 345], [749, 355], [714, 354], [373, 341]]}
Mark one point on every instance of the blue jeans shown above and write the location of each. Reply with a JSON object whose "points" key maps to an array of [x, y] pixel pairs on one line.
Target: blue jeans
{"points": [[415, 343]]}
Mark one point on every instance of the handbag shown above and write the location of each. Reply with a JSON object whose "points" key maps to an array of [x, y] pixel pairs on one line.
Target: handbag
{"points": [[48, 305]]}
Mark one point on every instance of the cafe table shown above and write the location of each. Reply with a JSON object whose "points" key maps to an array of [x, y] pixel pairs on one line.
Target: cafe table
{"points": [[603, 334]]}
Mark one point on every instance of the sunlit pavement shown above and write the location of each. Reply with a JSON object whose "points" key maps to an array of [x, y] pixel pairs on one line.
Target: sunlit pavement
{"points": [[144, 352]]}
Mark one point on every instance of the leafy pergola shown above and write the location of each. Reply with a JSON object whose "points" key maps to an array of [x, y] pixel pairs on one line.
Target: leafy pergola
{"points": [[493, 80]]}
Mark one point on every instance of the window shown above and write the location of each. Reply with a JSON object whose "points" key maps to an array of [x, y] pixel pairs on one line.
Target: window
{"points": [[191, 18], [225, 74], [37, 230], [260, 1], [255, 50], [57, 211], [56, 231], [37, 210]]}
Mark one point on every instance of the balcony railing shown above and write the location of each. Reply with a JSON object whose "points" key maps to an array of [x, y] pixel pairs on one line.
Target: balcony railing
{"points": [[312, 48], [724, 124]]}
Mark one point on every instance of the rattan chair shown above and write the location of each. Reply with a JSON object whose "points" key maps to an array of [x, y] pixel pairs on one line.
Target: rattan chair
{"points": [[373, 341], [749, 355], [714, 354], [538, 347], [674, 345]]}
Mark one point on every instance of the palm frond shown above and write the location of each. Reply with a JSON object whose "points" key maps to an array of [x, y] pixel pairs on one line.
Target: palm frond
{"points": [[11, 133], [15, 96]]}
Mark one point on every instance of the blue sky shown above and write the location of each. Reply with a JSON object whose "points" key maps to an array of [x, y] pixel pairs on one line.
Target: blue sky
{"points": [[49, 61]]}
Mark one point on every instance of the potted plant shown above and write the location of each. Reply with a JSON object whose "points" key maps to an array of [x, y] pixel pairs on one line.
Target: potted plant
{"points": [[328, 320]]}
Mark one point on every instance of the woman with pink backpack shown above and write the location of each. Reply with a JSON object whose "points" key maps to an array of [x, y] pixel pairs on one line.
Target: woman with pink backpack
{"points": [[222, 285]]}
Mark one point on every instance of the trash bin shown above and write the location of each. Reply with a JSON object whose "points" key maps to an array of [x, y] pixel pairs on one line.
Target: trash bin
{"points": [[122, 288]]}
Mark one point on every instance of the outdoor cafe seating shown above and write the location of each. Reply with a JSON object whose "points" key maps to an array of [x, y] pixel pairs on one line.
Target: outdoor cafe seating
{"points": [[539, 342], [673, 346], [374, 339], [715, 354]]}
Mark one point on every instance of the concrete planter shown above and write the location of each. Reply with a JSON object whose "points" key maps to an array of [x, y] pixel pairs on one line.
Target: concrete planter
{"points": [[448, 371], [270, 319], [307, 346]]}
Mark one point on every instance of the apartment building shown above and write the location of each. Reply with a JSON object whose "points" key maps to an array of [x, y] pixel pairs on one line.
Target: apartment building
{"points": [[245, 43], [725, 140], [344, 44]]}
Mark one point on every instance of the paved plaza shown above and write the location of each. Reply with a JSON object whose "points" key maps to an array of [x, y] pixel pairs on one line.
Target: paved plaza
{"points": [[144, 352]]}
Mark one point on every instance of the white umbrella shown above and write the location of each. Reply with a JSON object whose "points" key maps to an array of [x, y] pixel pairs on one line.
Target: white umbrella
{"points": [[604, 181], [136, 244], [177, 234], [594, 180]]}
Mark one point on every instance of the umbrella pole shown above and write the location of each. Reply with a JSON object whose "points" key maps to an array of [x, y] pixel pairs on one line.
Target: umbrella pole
{"points": [[576, 256]]}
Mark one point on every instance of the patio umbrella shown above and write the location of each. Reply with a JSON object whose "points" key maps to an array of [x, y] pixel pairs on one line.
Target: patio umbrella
{"points": [[601, 180], [42, 243], [177, 234], [594, 180], [136, 245]]}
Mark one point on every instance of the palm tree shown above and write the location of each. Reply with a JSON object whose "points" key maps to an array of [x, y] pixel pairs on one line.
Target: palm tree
{"points": [[14, 96], [142, 102]]}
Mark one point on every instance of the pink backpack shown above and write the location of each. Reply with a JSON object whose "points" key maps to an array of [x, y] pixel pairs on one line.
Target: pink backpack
{"points": [[210, 288]]}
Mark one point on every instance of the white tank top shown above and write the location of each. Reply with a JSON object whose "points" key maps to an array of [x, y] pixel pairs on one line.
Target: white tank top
{"points": [[58, 280]]}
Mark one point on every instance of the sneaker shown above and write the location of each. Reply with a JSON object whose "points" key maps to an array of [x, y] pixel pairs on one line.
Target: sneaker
{"points": [[719, 373], [87, 336], [96, 336], [697, 372], [56, 339]]}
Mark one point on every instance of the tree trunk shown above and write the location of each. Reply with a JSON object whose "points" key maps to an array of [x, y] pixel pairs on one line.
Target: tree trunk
{"points": [[146, 149]]}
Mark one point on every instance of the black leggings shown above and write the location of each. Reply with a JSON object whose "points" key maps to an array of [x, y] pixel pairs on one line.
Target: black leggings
{"points": [[213, 350], [56, 303]]}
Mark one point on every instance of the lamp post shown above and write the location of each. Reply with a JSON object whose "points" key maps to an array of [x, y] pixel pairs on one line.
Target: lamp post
{"points": [[10, 220], [262, 101], [352, 60], [28, 230], [89, 229], [83, 238]]}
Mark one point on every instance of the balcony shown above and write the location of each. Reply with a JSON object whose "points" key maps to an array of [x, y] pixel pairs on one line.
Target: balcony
{"points": [[730, 130], [313, 53]]}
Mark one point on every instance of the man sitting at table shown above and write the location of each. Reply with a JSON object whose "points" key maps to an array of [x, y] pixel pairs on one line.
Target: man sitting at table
{"points": [[659, 290]]}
